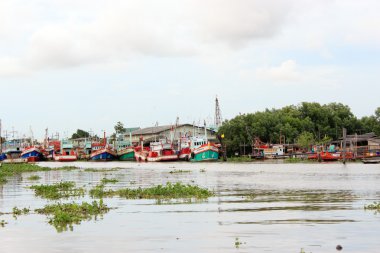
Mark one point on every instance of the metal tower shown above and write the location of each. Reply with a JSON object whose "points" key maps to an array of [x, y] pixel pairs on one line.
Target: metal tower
{"points": [[218, 115]]}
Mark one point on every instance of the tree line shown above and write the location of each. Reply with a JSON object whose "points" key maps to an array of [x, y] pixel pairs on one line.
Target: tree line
{"points": [[305, 124]]}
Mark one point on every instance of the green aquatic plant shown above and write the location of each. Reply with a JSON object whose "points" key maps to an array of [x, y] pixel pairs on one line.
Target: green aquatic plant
{"points": [[179, 171], [374, 206], [64, 216], [58, 190], [109, 180], [168, 191], [34, 177], [16, 211], [238, 243], [12, 169], [100, 170], [3, 223], [239, 159]]}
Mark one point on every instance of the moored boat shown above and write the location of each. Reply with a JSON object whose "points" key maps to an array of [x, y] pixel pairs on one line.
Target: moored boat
{"points": [[32, 154], [67, 153], [161, 151], [203, 150], [126, 154]]}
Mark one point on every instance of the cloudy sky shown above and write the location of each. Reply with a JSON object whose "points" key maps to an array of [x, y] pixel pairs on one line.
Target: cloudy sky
{"points": [[68, 64]]}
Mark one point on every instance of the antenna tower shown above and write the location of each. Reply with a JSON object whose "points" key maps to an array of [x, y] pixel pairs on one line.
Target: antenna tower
{"points": [[218, 115]]}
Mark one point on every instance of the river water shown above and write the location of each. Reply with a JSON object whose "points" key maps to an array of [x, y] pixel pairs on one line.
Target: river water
{"points": [[273, 207]]}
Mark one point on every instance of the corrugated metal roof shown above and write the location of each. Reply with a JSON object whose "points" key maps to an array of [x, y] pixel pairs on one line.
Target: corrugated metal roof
{"points": [[158, 129]]}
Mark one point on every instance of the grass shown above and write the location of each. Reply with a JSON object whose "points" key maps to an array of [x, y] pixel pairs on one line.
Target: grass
{"points": [[64, 216], [58, 190], [34, 177], [239, 159], [179, 171], [9, 170], [109, 180], [168, 191], [101, 170], [374, 206]]}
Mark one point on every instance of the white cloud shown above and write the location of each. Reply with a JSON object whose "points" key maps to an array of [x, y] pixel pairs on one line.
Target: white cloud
{"points": [[287, 71], [118, 30]]}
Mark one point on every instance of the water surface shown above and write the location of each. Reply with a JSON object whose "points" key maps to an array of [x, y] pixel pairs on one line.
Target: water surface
{"points": [[268, 207]]}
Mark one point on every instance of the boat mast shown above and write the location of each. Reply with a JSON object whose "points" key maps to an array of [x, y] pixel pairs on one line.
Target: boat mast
{"points": [[32, 137], [205, 131]]}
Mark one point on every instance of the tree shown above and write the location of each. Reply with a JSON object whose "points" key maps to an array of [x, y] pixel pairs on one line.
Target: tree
{"points": [[80, 134], [119, 128], [305, 140]]}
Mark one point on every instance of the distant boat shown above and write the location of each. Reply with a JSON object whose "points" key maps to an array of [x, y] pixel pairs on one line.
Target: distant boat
{"points": [[102, 151], [184, 149], [161, 151], [126, 154], [125, 150], [373, 159], [203, 150], [32, 154], [67, 153]]}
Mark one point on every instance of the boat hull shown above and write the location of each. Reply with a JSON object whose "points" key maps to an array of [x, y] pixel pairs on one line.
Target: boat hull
{"points": [[65, 158], [128, 155], [103, 155], [32, 155], [205, 153]]}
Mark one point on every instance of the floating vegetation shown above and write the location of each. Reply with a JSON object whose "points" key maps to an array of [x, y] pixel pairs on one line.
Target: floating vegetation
{"points": [[109, 180], [374, 206], [58, 190], [202, 170], [179, 171], [240, 159], [34, 177], [101, 170], [16, 211], [64, 216], [10, 169], [3, 223], [238, 243], [168, 191]]}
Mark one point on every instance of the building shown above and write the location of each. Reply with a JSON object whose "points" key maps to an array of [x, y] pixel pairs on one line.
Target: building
{"points": [[169, 131]]}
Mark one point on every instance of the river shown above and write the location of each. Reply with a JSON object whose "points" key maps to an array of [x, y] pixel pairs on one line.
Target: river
{"points": [[257, 207]]}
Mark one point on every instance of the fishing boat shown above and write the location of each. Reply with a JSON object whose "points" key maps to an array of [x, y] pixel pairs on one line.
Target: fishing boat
{"points": [[184, 151], [102, 151], [125, 150], [126, 154], [203, 150], [67, 153], [33, 154], [161, 151]]}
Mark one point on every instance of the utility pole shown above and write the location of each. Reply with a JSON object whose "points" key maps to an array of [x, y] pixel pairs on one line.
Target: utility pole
{"points": [[344, 145]]}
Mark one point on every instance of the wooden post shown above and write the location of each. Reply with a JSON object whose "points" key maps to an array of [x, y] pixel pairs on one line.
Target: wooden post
{"points": [[344, 145]]}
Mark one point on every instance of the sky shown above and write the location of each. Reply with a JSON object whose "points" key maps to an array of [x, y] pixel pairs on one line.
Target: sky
{"points": [[69, 64]]}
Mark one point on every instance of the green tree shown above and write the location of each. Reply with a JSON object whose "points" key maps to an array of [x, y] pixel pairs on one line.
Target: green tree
{"points": [[119, 128], [305, 140], [80, 134]]}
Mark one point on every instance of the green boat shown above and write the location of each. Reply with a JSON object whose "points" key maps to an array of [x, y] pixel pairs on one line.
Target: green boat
{"points": [[125, 150], [126, 154], [203, 150]]}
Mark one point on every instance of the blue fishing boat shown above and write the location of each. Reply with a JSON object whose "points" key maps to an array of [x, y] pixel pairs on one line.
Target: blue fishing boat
{"points": [[102, 151], [33, 154]]}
